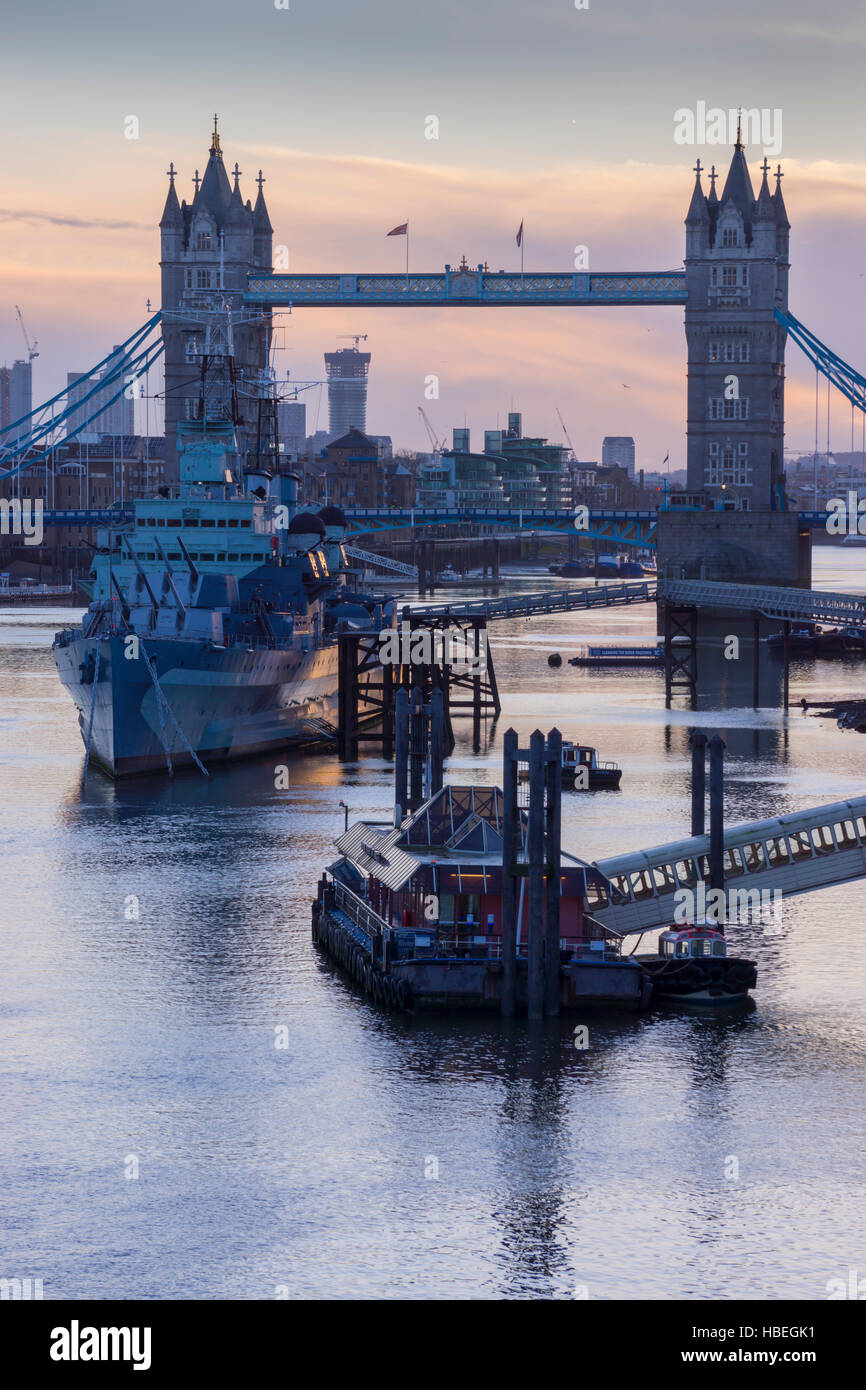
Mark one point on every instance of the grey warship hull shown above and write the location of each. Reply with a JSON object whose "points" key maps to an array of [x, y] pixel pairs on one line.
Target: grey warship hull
{"points": [[224, 702]]}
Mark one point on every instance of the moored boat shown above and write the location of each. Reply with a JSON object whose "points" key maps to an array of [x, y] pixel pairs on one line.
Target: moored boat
{"points": [[692, 966]]}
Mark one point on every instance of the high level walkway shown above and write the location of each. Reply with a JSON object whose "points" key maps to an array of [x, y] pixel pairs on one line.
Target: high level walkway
{"points": [[794, 854]]}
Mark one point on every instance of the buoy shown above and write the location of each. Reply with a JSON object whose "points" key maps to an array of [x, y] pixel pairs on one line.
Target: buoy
{"points": [[554, 659]]}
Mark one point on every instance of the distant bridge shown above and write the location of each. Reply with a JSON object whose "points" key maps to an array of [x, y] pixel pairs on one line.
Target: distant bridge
{"points": [[617, 526]]}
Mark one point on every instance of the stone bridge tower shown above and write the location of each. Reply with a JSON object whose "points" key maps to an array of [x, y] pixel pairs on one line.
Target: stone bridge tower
{"points": [[736, 526], [208, 248], [736, 276]]}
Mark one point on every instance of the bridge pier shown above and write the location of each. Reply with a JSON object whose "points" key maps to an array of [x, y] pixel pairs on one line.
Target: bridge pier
{"points": [[681, 651]]}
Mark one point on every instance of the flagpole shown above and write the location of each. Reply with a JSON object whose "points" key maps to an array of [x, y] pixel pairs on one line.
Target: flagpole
{"points": [[407, 259], [522, 239]]}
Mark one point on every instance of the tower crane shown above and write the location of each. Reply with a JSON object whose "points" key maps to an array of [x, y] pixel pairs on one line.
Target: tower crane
{"points": [[431, 433], [565, 430], [356, 337], [32, 348]]}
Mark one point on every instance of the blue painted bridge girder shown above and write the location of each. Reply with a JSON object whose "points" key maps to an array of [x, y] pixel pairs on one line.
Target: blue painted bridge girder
{"points": [[466, 287], [617, 526], [622, 527]]}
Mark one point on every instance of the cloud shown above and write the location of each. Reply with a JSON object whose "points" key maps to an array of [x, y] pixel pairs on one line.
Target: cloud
{"points": [[85, 223]]}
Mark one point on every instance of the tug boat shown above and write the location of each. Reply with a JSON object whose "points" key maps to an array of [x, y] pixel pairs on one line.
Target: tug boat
{"points": [[693, 967], [582, 771]]}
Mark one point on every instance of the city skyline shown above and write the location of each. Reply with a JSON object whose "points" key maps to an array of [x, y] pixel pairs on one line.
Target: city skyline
{"points": [[577, 168]]}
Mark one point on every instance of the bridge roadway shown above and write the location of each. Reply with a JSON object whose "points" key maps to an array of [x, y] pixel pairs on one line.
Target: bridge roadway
{"points": [[464, 286], [803, 605]]}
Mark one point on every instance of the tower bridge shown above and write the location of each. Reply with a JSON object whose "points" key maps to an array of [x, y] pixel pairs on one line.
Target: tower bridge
{"points": [[219, 292]]}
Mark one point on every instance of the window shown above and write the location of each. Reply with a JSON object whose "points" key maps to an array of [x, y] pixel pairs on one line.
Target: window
{"points": [[728, 467], [733, 863], [723, 409], [191, 349], [686, 872], [753, 858], [729, 275], [846, 835], [663, 875], [822, 840], [777, 853], [202, 279], [202, 241], [801, 845]]}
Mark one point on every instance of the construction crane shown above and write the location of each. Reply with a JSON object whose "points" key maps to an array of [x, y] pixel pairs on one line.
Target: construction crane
{"points": [[565, 431], [431, 433], [32, 348], [356, 338]]}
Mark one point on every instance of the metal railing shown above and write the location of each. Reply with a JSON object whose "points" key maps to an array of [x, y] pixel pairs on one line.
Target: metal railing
{"points": [[549, 601], [803, 604], [360, 912]]}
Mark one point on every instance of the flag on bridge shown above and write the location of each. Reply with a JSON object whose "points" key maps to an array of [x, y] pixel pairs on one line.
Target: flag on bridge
{"points": [[665, 459], [519, 237], [402, 230]]}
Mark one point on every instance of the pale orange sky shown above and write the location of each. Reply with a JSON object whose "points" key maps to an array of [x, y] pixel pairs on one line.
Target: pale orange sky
{"points": [[564, 120]]}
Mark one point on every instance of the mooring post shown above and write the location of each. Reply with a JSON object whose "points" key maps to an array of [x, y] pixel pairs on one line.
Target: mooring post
{"points": [[535, 837], [401, 754], [509, 878], [388, 711], [553, 836], [437, 740], [717, 811], [698, 744], [786, 659], [417, 749], [756, 675]]}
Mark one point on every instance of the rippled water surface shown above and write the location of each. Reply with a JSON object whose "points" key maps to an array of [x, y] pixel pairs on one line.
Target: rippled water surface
{"points": [[392, 1157]]}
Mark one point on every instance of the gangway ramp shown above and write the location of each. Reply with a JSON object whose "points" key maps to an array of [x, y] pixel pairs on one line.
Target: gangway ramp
{"points": [[797, 605], [383, 562], [794, 854], [547, 601]]}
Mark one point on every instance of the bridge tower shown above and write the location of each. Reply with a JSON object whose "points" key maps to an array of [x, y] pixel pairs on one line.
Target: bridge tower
{"points": [[736, 277], [208, 248]]}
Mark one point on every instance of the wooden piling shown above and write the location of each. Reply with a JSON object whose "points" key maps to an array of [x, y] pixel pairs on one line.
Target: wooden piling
{"points": [[401, 755], [698, 743], [535, 856], [717, 811], [553, 856], [510, 837]]}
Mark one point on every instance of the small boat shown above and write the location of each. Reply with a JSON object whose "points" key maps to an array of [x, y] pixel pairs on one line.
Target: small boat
{"points": [[620, 656], [582, 771], [801, 639], [573, 569], [693, 967], [838, 641]]}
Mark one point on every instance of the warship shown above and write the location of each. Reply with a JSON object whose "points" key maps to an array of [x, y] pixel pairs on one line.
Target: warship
{"points": [[212, 628]]}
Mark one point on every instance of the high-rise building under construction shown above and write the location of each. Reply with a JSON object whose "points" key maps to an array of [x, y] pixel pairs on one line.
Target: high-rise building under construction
{"points": [[347, 390]]}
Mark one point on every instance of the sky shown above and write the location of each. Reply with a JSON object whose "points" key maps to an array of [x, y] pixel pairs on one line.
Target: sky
{"points": [[561, 117]]}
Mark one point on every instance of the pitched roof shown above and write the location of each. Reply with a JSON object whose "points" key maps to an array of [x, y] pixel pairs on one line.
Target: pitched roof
{"points": [[355, 439]]}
